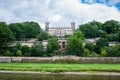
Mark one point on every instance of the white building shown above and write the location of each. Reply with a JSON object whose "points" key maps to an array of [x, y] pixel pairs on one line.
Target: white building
{"points": [[60, 31]]}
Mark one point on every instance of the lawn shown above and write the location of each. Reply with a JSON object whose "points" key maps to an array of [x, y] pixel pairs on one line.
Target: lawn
{"points": [[59, 67]]}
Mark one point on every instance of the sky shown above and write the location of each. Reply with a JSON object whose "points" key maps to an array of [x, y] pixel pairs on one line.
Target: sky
{"points": [[59, 12]]}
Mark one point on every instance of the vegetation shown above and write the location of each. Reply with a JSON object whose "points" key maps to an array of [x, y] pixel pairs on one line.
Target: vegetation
{"points": [[90, 29], [52, 45], [25, 30], [42, 36], [37, 49], [104, 32], [75, 43], [59, 67], [6, 35]]}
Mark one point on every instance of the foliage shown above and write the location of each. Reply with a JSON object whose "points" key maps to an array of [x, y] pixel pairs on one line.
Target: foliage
{"points": [[104, 52], [25, 30], [90, 29], [17, 30], [117, 49], [90, 46], [7, 53], [6, 35], [86, 52], [112, 37], [43, 36], [75, 43], [52, 45], [37, 49], [118, 34], [26, 50], [102, 42], [113, 50], [111, 26], [31, 29], [102, 33], [19, 53]]}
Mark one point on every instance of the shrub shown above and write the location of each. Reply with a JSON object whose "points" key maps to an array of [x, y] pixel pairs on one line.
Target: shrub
{"points": [[86, 52], [37, 49], [19, 53], [7, 53], [103, 52], [26, 50]]}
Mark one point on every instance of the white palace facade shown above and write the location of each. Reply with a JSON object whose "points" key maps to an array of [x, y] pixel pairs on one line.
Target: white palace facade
{"points": [[60, 31]]}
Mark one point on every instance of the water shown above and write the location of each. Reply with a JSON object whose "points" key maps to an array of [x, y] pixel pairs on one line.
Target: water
{"points": [[8, 76]]}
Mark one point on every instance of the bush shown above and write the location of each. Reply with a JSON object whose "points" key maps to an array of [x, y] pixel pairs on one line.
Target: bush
{"points": [[19, 53], [7, 53], [37, 49], [86, 52], [103, 52], [26, 50], [112, 37]]}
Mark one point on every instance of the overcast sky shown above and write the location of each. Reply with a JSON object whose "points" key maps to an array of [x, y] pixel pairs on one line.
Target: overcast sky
{"points": [[59, 12]]}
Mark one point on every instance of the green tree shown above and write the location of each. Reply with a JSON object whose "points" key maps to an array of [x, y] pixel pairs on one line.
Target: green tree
{"points": [[112, 51], [112, 37], [19, 53], [89, 29], [52, 45], [14, 49], [25, 30], [6, 35], [102, 42], [102, 33], [75, 43], [90, 46], [117, 49], [17, 30], [104, 52], [118, 34], [111, 26], [37, 49], [26, 50], [7, 53], [43, 36], [31, 29], [87, 52]]}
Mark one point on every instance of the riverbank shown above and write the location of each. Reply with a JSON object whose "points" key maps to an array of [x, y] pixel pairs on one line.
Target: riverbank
{"points": [[63, 59], [65, 73], [57, 68]]}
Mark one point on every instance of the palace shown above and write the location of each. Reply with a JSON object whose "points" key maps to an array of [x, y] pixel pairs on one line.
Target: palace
{"points": [[60, 31]]}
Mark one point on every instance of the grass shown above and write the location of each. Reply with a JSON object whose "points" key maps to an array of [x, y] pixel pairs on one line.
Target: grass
{"points": [[59, 67]]}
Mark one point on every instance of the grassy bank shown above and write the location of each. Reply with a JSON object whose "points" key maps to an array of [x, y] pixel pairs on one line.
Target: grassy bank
{"points": [[59, 67]]}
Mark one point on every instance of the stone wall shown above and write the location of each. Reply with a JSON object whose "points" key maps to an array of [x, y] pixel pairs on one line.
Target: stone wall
{"points": [[62, 59]]}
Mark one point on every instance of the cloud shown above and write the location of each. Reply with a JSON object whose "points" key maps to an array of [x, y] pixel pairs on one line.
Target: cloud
{"points": [[57, 12], [113, 2], [55, 18]]}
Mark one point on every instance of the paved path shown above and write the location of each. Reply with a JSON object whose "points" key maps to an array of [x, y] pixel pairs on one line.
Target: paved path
{"points": [[74, 73]]}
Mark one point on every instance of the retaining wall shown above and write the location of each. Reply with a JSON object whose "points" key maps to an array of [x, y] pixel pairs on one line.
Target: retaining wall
{"points": [[62, 59]]}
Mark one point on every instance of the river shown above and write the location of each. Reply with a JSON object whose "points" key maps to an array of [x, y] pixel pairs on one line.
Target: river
{"points": [[13, 76]]}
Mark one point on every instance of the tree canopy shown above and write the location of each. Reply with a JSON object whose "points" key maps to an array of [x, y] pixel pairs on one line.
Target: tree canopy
{"points": [[6, 34], [75, 43], [90, 29], [52, 45], [25, 30]]}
